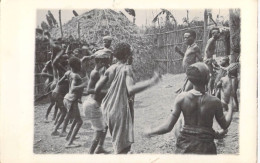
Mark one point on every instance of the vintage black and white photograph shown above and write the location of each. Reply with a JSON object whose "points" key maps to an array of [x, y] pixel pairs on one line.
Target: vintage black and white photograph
{"points": [[137, 81]]}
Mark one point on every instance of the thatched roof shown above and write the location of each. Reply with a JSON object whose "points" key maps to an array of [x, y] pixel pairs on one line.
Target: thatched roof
{"points": [[97, 23]]}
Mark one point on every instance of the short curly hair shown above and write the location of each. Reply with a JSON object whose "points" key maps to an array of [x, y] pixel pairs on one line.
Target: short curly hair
{"points": [[191, 32], [122, 51], [75, 64]]}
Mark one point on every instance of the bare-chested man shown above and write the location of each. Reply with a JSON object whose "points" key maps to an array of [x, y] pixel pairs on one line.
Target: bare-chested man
{"points": [[199, 109], [208, 57], [61, 89], [189, 57], [228, 86], [91, 106]]}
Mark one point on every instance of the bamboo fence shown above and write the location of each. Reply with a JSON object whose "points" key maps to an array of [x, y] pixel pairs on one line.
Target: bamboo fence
{"points": [[169, 61]]}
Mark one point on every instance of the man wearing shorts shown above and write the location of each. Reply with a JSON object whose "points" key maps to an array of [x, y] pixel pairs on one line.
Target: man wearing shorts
{"points": [[91, 106]]}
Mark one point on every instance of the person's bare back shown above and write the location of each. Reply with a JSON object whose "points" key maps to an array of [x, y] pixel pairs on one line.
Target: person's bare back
{"points": [[199, 109], [203, 106]]}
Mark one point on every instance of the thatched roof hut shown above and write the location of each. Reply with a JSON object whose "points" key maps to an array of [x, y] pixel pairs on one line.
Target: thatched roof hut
{"points": [[97, 23]]}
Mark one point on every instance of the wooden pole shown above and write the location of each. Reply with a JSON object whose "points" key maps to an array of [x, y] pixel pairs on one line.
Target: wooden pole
{"points": [[188, 16], [167, 68], [205, 33], [60, 24], [78, 26]]}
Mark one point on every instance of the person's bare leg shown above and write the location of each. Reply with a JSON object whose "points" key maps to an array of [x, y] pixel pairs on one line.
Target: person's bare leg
{"points": [[57, 117], [65, 124], [55, 112], [71, 120], [100, 148], [75, 131], [63, 113], [71, 129], [95, 141], [49, 110]]}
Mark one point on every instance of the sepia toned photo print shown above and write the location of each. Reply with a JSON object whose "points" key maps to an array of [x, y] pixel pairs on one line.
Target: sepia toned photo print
{"points": [[137, 81]]}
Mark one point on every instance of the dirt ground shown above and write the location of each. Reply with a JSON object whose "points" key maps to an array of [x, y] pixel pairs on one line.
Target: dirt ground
{"points": [[151, 108]]}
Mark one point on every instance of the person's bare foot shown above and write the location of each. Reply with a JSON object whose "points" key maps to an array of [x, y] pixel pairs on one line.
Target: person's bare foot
{"points": [[72, 145], [63, 134], [55, 133], [46, 121], [68, 138], [100, 150]]}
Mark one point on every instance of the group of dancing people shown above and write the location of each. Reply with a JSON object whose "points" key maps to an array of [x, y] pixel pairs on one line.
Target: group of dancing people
{"points": [[110, 89]]}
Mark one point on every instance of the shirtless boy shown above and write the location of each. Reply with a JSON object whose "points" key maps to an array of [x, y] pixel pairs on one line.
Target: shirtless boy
{"points": [[227, 85], [115, 105], [71, 100], [199, 109], [221, 72], [189, 57], [208, 57], [91, 106], [58, 71], [61, 89]]}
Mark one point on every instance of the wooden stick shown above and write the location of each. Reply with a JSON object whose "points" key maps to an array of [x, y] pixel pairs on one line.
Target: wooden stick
{"points": [[205, 29], [60, 24], [78, 27]]}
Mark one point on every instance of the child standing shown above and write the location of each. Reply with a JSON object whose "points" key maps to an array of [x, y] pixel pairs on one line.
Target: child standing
{"points": [[71, 100]]}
